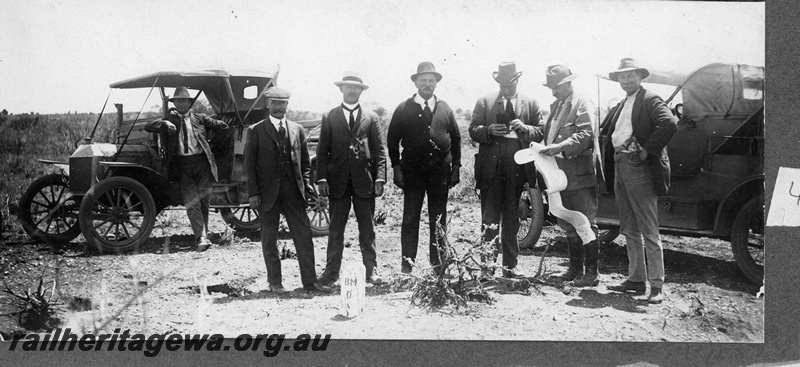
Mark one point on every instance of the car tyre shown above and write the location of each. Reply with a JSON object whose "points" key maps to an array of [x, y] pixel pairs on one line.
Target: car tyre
{"points": [[747, 239], [41, 197], [117, 215]]}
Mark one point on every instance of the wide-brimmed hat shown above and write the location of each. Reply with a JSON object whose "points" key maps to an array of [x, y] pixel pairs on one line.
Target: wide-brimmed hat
{"points": [[506, 73], [181, 93], [628, 64], [351, 78], [557, 75], [426, 67], [278, 94]]}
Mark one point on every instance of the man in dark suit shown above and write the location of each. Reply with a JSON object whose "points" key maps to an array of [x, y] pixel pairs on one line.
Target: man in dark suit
{"points": [[427, 129], [351, 168], [570, 135], [189, 159], [503, 122], [635, 135], [277, 169]]}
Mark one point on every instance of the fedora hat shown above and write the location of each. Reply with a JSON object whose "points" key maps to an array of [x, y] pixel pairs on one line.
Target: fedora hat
{"points": [[278, 94], [628, 64], [557, 75], [426, 67], [506, 73], [180, 93], [351, 78]]}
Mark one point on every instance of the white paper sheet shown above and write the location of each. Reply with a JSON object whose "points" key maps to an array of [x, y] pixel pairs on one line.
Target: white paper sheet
{"points": [[556, 181], [784, 209]]}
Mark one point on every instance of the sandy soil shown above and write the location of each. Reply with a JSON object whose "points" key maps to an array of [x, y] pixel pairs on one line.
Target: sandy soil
{"points": [[707, 299]]}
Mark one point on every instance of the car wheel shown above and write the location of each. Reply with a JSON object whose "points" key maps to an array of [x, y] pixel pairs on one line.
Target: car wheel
{"points": [[47, 212], [117, 215], [530, 210], [747, 239], [606, 236], [241, 219], [318, 215]]}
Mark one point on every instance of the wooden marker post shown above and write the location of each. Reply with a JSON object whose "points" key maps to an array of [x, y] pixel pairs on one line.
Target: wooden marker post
{"points": [[353, 280]]}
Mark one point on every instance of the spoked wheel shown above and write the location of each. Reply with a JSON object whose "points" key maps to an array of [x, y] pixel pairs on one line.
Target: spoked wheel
{"points": [[48, 212], [318, 215], [117, 215], [241, 219], [747, 239], [530, 210]]}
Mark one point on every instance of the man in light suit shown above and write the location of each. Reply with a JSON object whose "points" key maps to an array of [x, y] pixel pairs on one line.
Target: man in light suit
{"points": [[277, 169], [351, 168], [189, 159], [636, 135], [570, 135], [503, 122]]}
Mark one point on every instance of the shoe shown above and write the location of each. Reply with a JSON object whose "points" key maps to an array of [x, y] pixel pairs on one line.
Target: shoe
{"points": [[627, 286], [589, 278], [374, 279], [317, 287], [656, 295], [405, 269], [203, 244], [278, 288], [514, 273], [328, 278], [575, 249]]}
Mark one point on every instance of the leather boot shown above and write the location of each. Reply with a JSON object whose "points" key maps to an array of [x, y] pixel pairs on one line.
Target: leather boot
{"points": [[575, 249], [589, 278]]}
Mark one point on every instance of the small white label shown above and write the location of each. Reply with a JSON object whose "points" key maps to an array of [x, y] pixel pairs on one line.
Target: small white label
{"points": [[784, 209]]}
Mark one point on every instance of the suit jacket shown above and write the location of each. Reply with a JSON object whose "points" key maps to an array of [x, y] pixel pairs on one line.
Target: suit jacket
{"points": [[357, 154], [484, 114], [262, 160], [576, 132], [653, 126], [201, 125]]}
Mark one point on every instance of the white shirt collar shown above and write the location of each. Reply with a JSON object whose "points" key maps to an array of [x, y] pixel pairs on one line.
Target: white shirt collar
{"points": [[277, 122], [421, 102], [350, 106]]}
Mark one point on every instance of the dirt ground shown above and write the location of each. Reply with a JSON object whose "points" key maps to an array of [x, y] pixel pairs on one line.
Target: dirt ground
{"points": [[707, 299]]}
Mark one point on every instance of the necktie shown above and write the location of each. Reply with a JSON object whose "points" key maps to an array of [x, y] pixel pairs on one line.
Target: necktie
{"points": [[281, 131], [185, 135], [427, 111], [510, 110], [352, 121]]}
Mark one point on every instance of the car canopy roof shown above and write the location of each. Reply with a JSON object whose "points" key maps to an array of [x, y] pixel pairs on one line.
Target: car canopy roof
{"points": [[723, 91], [224, 90], [717, 90]]}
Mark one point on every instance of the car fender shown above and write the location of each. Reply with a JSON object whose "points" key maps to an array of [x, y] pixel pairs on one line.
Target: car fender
{"points": [[164, 192], [745, 190]]}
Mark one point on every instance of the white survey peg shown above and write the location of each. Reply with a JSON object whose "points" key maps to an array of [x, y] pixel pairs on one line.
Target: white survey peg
{"points": [[353, 280], [556, 181]]}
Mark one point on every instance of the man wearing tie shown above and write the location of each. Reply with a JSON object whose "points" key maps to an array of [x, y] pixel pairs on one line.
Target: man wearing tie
{"points": [[351, 168], [189, 159], [427, 129], [278, 171], [570, 135], [503, 122]]}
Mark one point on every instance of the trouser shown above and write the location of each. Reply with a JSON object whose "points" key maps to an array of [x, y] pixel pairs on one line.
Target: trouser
{"points": [[499, 209], [637, 203], [291, 203], [195, 182], [433, 180], [364, 209], [581, 200]]}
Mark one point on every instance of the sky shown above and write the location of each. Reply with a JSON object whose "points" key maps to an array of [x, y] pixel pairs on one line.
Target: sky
{"points": [[60, 56]]}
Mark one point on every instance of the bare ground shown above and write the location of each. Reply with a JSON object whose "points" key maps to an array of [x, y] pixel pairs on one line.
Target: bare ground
{"points": [[707, 299]]}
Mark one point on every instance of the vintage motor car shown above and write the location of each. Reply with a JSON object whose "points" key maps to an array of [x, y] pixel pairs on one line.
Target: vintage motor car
{"points": [[717, 163], [112, 192]]}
